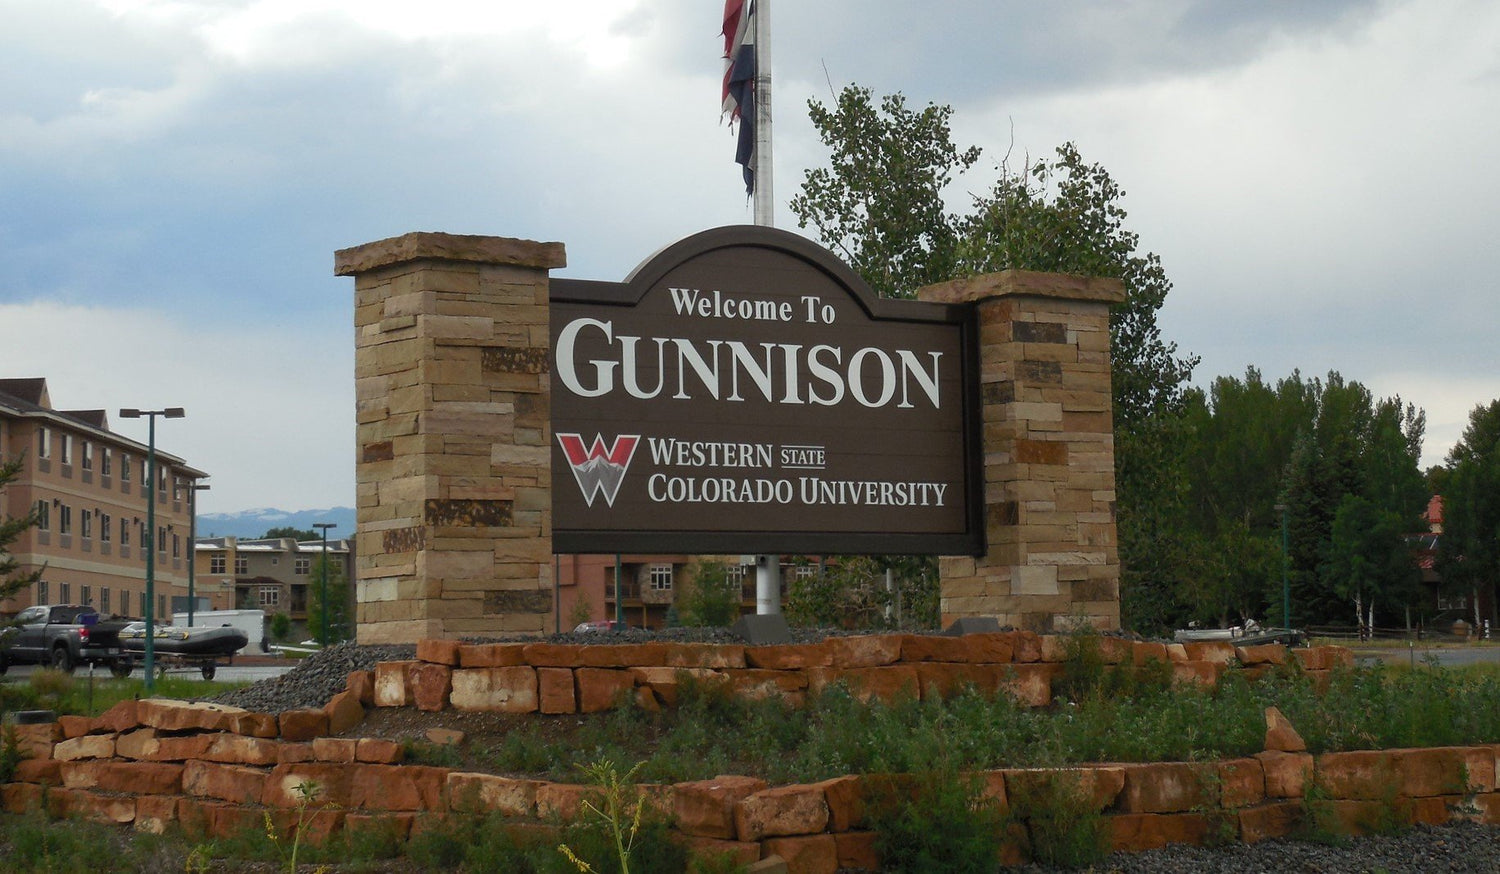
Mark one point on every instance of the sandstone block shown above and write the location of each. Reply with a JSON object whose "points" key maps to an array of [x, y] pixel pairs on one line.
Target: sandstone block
{"points": [[344, 712], [291, 785], [741, 852], [377, 751], [1220, 652], [1363, 775], [1281, 736], [138, 744], [235, 783], [1286, 774], [1265, 654], [362, 685], [237, 749], [153, 813], [810, 854], [703, 655], [391, 685], [1164, 787], [437, 651], [492, 655], [335, 749], [856, 850], [601, 688], [865, 650], [261, 725], [789, 657], [706, 807], [984, 648], [504, 690], [303, 725], [171, 715], [784, 810], [555, 690], [1278, 819], [89, 746], [430, 684], [1430, 772], [487, 792], [122, 716], [397, 787], [1242, 782], [1134, 832]]}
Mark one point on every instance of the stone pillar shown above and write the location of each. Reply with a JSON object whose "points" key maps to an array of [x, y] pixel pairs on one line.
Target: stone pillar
{"points": [[453, 422], [1051, 558]]}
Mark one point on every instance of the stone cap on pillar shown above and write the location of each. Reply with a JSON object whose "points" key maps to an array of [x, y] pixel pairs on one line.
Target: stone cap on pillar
{"points": [[1025, 283], [420, 245]]}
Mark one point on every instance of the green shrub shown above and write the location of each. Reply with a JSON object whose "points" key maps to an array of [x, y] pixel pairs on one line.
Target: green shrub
{"points": [[1062, 825], [933, 821], [712, 596]]}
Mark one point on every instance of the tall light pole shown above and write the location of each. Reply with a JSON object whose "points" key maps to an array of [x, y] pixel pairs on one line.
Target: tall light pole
{"points": [[323, 589], [1286, 588], [193, 545], [150, 416]]}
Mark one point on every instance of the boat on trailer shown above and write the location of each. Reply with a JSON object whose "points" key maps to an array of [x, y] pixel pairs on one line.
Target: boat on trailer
{"points": [[176, 640]]}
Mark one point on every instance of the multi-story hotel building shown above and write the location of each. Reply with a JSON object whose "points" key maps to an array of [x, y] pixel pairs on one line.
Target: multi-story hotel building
{"points": [[88, 487], [276, 575]]}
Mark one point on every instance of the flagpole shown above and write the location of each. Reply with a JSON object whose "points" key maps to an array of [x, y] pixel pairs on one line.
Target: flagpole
{"points": [[764, 203], [767, 567]]}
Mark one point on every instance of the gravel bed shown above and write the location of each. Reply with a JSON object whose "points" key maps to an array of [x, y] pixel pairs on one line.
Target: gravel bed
{"points": [[315, 679], [1465, 847]]}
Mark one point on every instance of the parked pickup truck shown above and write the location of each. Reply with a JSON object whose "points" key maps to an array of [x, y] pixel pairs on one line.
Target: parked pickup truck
{"points": [[64, 636]]}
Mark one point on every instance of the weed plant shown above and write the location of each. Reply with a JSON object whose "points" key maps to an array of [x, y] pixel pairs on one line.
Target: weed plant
{"points": [[937, 820], [51, 689]]}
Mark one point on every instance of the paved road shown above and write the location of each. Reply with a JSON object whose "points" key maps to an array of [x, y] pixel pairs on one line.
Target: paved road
{"points": [[226, 674], [1448, 656]]}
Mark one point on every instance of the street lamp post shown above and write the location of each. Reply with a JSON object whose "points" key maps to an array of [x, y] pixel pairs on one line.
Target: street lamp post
{"points": [[150, 416], [323, 583], [1286, 589], [193, 545]]}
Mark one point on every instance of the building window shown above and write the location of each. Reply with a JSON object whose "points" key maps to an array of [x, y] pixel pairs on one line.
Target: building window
{"points": [[43, 515], [302, 566], [104, 599], [217, 562], [142, 602], [104, 533], [124, 468], [67, 449], [177, 488], [44, 442], [87, 527], [124, 532], [161, 606], [806, 571], [64, 519], [161, 539], [735, 573], [270, 596], [88, 595], [41, 591], [104, 458], [241, 565], [88, 455], [661, 577], [161, 480], [65, 592], [176, 546]]}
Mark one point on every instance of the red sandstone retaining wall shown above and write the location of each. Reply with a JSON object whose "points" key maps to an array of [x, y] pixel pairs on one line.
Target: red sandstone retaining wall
{"points": [[559, 678], [220, 769]]}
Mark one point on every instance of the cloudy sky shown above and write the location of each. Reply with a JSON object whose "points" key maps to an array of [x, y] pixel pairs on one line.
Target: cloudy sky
{"points": [[1320, 179]]}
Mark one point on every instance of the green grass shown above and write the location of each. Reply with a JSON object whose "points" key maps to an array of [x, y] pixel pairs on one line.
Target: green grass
{"points": [[76, 694]]}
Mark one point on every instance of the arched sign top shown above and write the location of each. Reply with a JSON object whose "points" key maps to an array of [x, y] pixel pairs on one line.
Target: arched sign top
{"points": [[767, 242], [745, 391]]}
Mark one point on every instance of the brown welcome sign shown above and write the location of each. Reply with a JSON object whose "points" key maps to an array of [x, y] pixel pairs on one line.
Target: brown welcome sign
{"points": [[745, 391]]}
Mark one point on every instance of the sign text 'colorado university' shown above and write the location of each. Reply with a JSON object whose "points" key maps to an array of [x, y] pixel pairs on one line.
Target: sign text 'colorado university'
{"points": [[744, 391]]}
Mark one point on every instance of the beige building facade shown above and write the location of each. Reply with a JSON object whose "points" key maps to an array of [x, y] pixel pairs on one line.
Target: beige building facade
{"points": [[88, 486]]}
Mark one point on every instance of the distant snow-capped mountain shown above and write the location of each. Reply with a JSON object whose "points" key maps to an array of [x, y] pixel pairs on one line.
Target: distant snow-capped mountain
{"points": [[254, 523]]}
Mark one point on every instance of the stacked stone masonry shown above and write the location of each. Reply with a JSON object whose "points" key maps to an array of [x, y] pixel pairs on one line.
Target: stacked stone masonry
{"points": [[453, 422], [220, 770], [1052, 559]]}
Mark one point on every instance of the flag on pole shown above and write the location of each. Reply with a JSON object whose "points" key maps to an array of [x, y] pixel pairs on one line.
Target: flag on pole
{"points": [[739, 81]]}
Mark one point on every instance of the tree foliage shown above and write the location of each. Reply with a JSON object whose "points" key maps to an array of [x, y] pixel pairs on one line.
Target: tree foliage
{"points": [[712, 596], [1469, 550], [339, 626], [11, 528], [880, 203]]}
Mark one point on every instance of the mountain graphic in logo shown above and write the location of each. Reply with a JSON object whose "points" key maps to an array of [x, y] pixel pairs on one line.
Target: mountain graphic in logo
{"points": [[599, 468]]}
